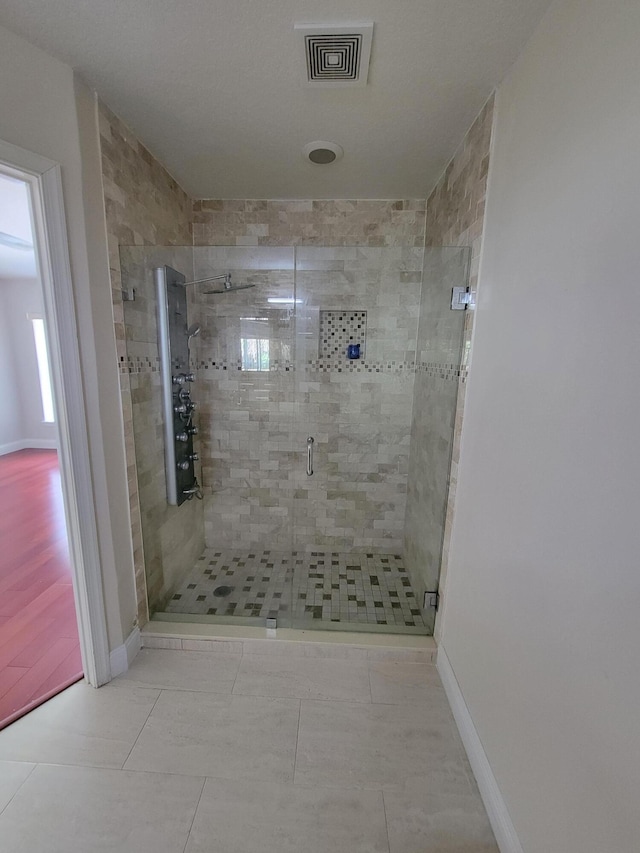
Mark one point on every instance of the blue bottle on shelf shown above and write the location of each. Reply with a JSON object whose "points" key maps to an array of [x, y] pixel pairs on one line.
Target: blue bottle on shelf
{"points": [[353, 351]]}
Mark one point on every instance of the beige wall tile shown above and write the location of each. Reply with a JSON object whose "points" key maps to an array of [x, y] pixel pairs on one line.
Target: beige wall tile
{"points": [[144, 206], [454, 217]]}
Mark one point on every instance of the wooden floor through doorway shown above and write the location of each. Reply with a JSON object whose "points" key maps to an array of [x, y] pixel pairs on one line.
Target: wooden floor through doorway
{"points": [[39, 647]]}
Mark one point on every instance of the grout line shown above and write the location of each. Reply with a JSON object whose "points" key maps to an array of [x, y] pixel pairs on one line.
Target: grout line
{"points": [[295, 757], [297, 698], [101, 767], [386, 823], [141, 729], [19, 788], [233, 686], [137, 686], [195, 811]]}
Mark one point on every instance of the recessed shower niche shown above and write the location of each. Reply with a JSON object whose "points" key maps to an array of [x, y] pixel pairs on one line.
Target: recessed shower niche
{"points": [[303, 453], [340, 330]]}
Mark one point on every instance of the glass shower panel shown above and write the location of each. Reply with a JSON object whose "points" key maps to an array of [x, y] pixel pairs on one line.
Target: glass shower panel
{"points": [[356, 330], [226, 557], [244, 358], [440, 368], [171, 538]]}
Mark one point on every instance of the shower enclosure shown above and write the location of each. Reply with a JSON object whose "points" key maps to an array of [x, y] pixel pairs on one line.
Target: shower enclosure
{"points": [[324, 477]]}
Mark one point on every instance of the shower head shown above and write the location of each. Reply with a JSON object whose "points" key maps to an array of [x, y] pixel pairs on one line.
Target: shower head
{"points": [[192, 332], [229, 288]]}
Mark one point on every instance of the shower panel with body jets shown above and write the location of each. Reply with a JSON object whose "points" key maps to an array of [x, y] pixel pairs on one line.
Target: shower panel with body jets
{"points": [[174, 337]]}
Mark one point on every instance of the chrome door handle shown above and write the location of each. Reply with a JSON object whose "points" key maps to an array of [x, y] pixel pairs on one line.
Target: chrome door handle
{"points": [[310, 456]]}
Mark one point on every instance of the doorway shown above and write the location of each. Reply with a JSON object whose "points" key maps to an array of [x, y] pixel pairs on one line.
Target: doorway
{"points": [[46, 469], [39, 641]]}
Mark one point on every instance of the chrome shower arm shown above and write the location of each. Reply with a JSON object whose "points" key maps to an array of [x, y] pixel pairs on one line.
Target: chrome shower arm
{"points": [[226, 276]]}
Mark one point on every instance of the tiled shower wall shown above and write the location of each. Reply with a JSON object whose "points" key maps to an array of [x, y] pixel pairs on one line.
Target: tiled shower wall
{"points": [[173, 536], [359, 413], [455, 208], [144, 206], [309, 222], [455, 217], [255, 423]]}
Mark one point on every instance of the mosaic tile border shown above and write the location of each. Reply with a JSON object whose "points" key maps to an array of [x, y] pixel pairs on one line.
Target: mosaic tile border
{"points": [[450, 372], [341, 365], [274, 367], [345, 365], [134, 366], [443, 371]]}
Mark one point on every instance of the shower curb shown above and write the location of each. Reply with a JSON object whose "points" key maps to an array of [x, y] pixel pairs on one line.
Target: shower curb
{"points": [[405, 648]]}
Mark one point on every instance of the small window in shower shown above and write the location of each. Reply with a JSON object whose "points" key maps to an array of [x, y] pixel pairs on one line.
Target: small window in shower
{"points": [[255, 353], [44, 373]]}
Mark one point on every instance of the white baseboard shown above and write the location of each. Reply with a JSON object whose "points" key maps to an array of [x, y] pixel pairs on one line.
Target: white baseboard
{"points": [[501, 823], [121, 657], [29, 444]]}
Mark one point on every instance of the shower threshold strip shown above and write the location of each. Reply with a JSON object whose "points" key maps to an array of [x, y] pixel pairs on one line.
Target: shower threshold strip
{"points": [[349, 627]]}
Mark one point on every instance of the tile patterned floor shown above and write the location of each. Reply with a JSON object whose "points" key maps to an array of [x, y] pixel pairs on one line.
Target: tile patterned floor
{"points": [[263, 748], [360, 589]]}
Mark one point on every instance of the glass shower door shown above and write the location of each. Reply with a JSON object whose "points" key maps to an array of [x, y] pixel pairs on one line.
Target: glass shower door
{"points": [[441, 361], [378, 355], [356, 327]]}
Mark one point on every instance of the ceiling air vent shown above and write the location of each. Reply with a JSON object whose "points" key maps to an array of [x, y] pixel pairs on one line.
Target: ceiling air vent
{"points": [[336, 55]]}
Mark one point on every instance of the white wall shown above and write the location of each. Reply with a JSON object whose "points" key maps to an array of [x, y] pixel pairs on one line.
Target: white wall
{"points": [[38, 111], [542, 625], [21, 415]]}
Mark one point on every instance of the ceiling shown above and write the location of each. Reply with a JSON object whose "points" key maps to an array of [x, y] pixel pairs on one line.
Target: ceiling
{"points": [[15, 221], [216, 88]]}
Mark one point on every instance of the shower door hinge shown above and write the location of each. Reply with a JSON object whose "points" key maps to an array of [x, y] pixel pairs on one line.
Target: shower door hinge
{"points": [[431, 599], [129, 294], [461, 298]]}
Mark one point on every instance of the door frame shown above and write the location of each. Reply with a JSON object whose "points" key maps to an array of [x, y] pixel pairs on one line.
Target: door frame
{"points": [[44, 179]]}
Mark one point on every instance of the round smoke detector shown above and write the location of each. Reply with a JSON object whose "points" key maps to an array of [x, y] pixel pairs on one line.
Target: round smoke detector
{"points": [[321, 153]]}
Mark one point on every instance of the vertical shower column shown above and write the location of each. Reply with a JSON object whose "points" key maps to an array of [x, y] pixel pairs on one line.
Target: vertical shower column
{"points": [[173, 346]]}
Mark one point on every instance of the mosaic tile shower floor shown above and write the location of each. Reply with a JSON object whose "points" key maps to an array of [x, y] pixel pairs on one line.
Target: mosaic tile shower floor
{"points": [[358, 590]]}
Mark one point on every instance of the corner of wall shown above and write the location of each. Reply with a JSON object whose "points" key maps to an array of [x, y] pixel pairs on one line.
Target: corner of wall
{"points": [[122, 657], [143, 205], [118, 576], [454, 217], [494, 802]]}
